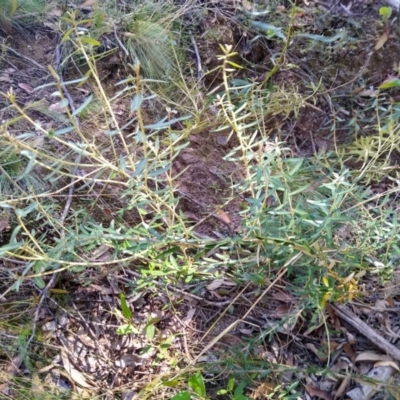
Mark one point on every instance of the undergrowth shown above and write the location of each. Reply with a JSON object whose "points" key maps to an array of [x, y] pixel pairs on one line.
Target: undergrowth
{"points": [[15, 14], [307, 220]]}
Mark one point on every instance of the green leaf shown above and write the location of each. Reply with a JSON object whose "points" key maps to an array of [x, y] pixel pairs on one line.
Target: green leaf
{"points": [[164, 124], [89, 40], [62, 131], [39, 282], [150, 331], [23, 213], [139, 167], [126, 329], [234, 65], [29, 167], [231, 384], [395, 82], [159, 171], [268, 28], [63, 103], [136, 102], [122, 162], [173, 383], [67, 35], [385, 12], [63, 84], [182, 396], [13, 238], [79, 150], [83, 106], [320, 38], [238, 394], [196, 382], [10, 247], [126, 311]]}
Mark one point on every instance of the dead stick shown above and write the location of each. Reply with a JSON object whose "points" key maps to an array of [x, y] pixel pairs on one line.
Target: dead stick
{"points": [[345, 313], [37, 65]]}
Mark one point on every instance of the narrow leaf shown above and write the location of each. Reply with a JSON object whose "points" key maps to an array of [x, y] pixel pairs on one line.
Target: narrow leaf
{"points": [[62, 131], [136, 102], [83, 106], [320, 38], [126, 311], [182, 396], [392, 83], [163, 124], [140, 167], [91, 41], [196, 382], [268, 27]]}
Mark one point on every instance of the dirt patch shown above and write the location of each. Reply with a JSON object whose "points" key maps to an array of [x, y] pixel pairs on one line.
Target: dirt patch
{"points": [[205, 180]]}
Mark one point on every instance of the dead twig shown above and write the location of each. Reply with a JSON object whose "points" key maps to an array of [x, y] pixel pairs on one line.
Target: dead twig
{"points": [[120, 43], [198, 59], [43, 295], [346, 314], [33, 62]]}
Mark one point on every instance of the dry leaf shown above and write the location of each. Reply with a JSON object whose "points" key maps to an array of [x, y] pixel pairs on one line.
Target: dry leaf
{"points": [[312, 391], [342, 388], [128, 360], [380, 305], [73, 373], [321, 356], [5, 77], [189, 316], [215, 284], [348, 349], [381, 41], [7, 373], [367, 391], [349, 336], [390, 301], [282, 310], [281, 296], [387, 364], [368, 93], [342, 364], [55, 12], [371, 356], [26, 87], [223, 215], [57, 108], [4, 222], [88, 4]]}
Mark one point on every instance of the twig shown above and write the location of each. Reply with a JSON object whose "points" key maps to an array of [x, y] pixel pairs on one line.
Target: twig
{"points": [[352, 319], [26, 59], [119, 42], [76, 119], [196, 51], [39, 307]]}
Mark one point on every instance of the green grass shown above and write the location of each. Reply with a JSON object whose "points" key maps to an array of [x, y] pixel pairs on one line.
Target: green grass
{"points": [[14, 14]]}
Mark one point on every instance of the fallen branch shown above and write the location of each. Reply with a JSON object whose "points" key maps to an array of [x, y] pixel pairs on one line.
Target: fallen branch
{"points": [[352, 319]]}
